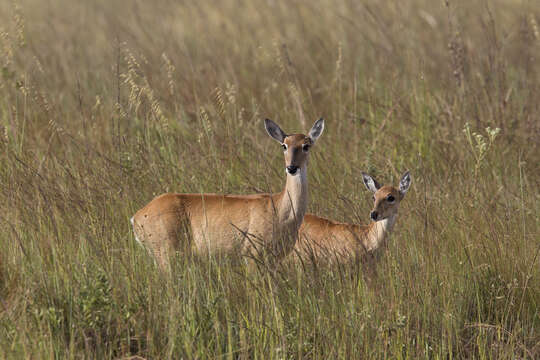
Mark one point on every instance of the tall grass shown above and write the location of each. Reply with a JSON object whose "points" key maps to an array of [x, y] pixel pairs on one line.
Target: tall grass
{"points": [[105, 104]]}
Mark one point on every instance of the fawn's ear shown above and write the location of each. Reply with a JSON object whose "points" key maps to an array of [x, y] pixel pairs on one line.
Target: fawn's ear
{"points": [[316, 130], [404, 183], [371, 184], [274, 130]]}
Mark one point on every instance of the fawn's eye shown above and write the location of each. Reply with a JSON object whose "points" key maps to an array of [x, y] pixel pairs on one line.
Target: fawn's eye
{"points": [[284, 147], [390, 199], [373, 197], [305, 147]]}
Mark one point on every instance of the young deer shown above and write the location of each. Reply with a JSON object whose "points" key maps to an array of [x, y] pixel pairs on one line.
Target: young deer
{"points": [[226, 224], [325, 240]]}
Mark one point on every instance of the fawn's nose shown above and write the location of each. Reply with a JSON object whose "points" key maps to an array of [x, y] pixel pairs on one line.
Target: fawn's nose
{"points": [[292, 169], [374, 215]]}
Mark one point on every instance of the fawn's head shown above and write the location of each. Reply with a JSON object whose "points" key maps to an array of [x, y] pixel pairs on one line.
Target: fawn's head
{"points": [[386, 198], [295, 146]]}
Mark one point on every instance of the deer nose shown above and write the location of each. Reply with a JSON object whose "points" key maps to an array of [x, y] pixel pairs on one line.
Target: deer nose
{"points": [[292, 169], [374, 215]]}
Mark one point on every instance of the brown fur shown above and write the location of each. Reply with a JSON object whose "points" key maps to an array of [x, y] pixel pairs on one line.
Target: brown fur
{"points": [[218, 224], [325, 240]]}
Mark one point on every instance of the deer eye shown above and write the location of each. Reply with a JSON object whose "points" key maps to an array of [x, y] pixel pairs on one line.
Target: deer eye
{"points": [[373, 197], [284, 146], [390, 199], [305, 147]]}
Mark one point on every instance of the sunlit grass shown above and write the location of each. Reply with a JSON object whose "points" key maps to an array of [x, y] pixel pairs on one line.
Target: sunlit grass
{"points": [[105, 104]]}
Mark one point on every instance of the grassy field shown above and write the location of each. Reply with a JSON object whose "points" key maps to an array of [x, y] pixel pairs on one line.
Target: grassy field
{"points": [[105, 104]]}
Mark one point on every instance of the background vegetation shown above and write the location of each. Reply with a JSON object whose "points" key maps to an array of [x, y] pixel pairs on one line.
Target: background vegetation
{"points": [[105, 104]]}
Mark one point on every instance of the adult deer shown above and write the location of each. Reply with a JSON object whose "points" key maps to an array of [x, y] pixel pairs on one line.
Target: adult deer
{"points": [[233, 224], [325, 240]]}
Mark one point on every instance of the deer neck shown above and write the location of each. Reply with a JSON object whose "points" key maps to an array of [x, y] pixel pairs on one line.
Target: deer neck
{"points": [[294, 198], [379, 232]]}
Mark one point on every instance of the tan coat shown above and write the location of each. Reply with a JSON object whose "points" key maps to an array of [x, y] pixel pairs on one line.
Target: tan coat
{"points": [[324, 240], [233, 224], [218, 224]]}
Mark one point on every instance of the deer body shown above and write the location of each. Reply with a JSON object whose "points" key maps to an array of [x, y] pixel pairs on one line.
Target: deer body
{"points": [[232, 224], [326, 240]]}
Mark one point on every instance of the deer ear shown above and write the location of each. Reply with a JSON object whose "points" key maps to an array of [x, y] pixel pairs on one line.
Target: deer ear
{"points": [[371, 184], [404, 183], [316, 130], [274, 130]]}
